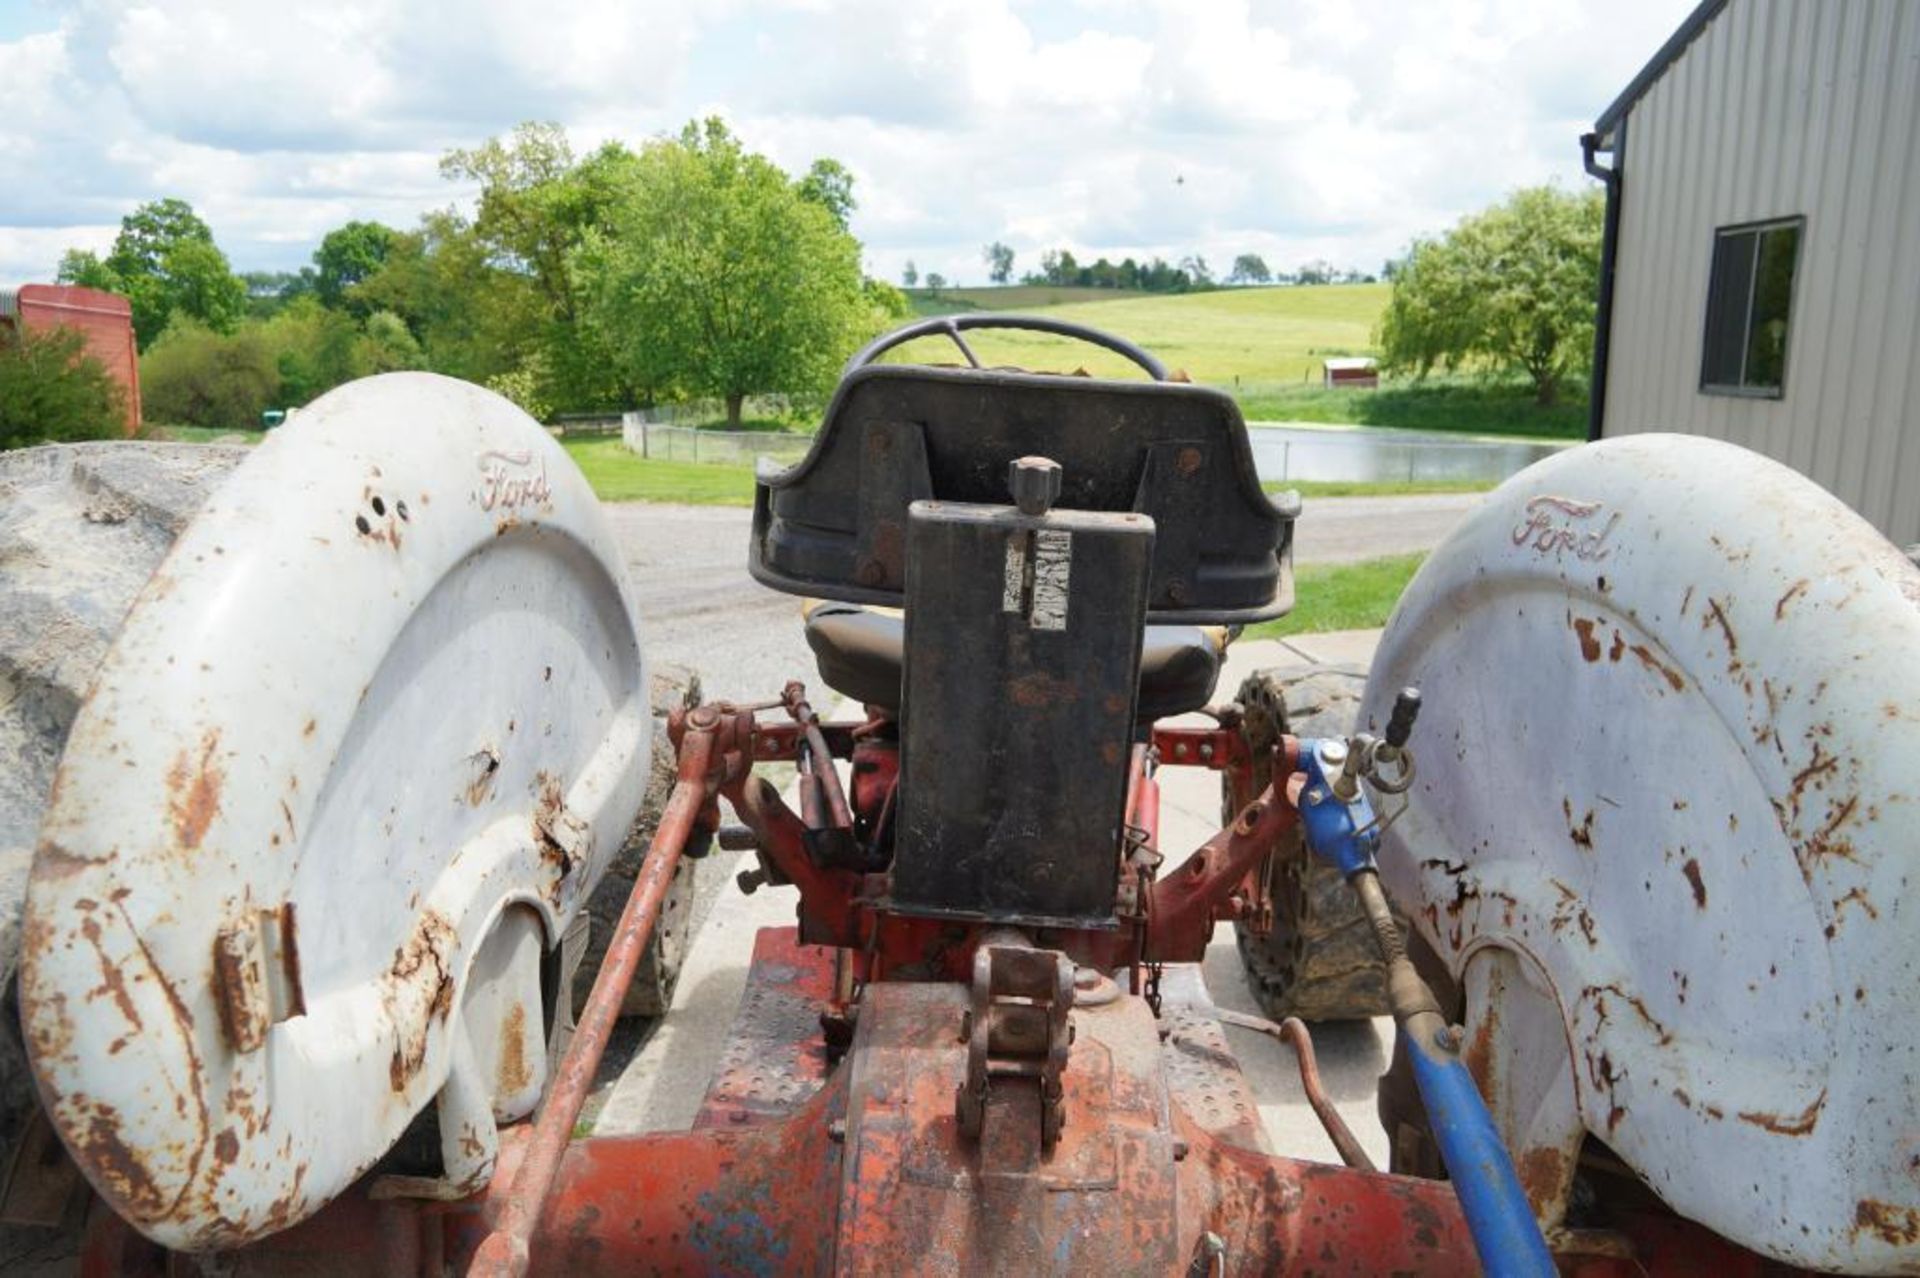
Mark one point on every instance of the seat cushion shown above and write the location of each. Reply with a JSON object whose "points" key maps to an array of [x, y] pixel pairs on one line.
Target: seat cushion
{"points": [[859, 651]]}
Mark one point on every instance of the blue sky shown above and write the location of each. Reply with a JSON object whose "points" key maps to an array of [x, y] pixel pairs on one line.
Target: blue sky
{"points": [[1298, 129]]}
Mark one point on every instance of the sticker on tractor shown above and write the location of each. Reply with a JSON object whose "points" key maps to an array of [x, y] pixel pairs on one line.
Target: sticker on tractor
{"points": [[1042, 594], [1052, 557]]}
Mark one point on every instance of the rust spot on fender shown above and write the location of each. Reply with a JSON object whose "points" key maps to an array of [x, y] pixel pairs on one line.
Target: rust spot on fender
{"points": [[1542, 1175], [1589, 645], [1794, 591], [420, 980], [1692, 870], [514, 1074], [193, 792], [1890, 1222], [116, 1167], [1581, 833], [1781, 1125], [113, 982], [1659, 667], [1717, 616]]}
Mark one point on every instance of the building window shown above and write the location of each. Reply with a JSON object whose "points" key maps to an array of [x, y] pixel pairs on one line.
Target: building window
{"points": [[1748, 300]]}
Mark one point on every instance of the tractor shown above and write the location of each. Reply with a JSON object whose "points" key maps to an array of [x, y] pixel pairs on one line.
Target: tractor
{"points": [[326, 762]]}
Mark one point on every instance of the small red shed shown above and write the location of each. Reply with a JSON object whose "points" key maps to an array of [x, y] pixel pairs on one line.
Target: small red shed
{"points": [[1350, 373], [106, 319]]}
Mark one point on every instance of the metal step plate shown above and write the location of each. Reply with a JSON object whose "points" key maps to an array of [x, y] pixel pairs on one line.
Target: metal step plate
{"points": [[1669, 783], [364, 744]]}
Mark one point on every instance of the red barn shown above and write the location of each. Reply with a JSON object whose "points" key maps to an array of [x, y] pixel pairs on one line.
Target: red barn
{"points": [[1355, 373], [106, 319]]}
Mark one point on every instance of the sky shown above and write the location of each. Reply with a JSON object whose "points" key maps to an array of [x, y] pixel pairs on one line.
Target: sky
{"points": [[1296, 129]]}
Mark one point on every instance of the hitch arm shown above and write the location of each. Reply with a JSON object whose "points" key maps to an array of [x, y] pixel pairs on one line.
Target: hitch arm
{"points": [[505, 1251]]}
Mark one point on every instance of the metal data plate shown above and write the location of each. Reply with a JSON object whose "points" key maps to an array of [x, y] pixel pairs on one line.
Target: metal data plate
{"points": [[1670, 764], [381, 707]]}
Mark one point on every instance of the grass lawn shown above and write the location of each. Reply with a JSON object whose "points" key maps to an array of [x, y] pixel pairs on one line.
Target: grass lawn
{"points": [[1381, 488], [199, 434], [1356, 596], [618, 475], [1468, 405]]}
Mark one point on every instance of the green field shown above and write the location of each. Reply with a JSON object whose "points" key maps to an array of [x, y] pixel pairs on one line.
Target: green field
{"points": [[1262, 345], [1010, 297], [1230, 338]]}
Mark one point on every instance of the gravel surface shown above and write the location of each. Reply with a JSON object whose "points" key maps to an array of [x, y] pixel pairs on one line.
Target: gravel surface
{"points": [[699, 608]]}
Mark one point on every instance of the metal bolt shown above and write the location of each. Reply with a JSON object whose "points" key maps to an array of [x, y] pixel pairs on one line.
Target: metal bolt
{"points": [[1035, 482], [1333, 754], [1316, 795], [837, 1131], [1206, 751], [749, 881], [1449, 1037]]}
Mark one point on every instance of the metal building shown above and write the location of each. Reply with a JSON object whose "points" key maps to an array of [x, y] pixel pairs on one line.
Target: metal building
{"points": [[1760, 280]]}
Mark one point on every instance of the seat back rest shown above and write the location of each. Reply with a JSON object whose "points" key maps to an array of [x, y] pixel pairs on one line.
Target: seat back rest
{"points": [[834, 525], [1023, 637]]}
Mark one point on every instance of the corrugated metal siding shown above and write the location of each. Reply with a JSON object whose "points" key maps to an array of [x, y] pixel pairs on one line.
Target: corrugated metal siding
{"points": [[1783, 108]]}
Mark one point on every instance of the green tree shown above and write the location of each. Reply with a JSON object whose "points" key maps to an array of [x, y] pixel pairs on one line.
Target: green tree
{"points": [[999, 260], [538, 205], [346, 256], [164, 261], [829, 184], [387, 346], [1508, 289], [1250, 268], [935, 282], [473, 318], [51, 389], [719, 277], [314, 350], [910, 274]]}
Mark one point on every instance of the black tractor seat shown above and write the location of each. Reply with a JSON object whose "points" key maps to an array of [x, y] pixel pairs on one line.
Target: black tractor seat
{"points": [[859, 650]]}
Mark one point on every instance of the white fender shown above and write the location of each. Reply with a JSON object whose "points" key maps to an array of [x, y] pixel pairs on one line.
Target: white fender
{"points": [[1669, 787], [383, 700]]}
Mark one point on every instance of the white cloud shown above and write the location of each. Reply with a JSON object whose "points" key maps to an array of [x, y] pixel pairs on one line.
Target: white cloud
{"points": [[1295, 128]]}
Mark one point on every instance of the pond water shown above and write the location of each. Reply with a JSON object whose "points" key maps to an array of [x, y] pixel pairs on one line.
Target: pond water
{"points": [[1376, 455]]}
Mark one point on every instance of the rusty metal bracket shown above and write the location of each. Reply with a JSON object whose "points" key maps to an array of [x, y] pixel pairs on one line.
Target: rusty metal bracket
{"points": [[1017, 1026]]}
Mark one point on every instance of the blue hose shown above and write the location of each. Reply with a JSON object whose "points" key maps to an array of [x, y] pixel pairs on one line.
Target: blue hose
{"points": [[1496, 1208]]}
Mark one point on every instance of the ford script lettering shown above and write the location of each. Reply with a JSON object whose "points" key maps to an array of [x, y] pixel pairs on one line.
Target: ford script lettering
{"points": [[1563, 525], [507, 483]]}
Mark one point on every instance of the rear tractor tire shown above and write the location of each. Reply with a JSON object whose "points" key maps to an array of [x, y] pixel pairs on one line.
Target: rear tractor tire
{"points": [[654, 981], [1319, 962]]}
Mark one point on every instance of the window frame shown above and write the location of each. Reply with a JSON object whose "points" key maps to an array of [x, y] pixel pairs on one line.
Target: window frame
{"points": [[1758, 228]]}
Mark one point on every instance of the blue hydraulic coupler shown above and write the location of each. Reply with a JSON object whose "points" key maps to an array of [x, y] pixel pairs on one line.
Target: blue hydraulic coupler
{"points": [[1338, 830]]}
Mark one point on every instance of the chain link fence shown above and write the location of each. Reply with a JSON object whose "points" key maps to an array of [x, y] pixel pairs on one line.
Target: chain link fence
{"points": [[671, 433]]}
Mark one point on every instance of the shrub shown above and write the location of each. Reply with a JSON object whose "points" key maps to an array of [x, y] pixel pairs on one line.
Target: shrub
{"points": [[202, 378], [52, 390]]}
